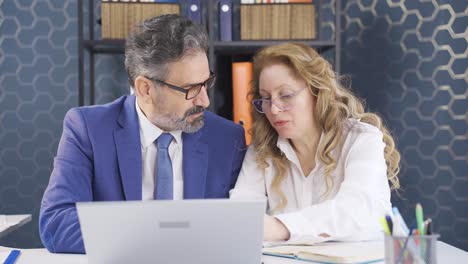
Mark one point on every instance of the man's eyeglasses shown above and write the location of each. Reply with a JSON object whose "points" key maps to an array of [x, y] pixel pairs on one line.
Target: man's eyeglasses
{"points": [[284, 102], [193, 90]]}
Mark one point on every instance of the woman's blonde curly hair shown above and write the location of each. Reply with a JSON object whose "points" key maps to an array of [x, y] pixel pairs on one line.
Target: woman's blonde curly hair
{"points": [[334, 105]]}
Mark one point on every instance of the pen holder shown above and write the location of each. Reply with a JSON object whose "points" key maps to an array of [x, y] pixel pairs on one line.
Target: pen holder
{"points": [[414, 249]]}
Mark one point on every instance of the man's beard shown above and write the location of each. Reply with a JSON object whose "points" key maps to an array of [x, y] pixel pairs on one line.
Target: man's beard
{"points": [[171, 122]]}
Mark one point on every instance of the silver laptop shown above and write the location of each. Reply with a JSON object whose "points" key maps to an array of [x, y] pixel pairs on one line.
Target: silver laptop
{"points": [[185, 231]]}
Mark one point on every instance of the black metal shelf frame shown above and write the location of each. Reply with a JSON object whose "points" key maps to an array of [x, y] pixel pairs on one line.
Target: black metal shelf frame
{"points": [[250, 46]]}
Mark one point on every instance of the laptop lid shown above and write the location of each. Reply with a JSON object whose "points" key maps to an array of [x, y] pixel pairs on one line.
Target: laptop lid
{"points": [[183, 231]]}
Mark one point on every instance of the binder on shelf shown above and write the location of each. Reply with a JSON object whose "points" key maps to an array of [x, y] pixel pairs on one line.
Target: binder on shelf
{"points": [[225, 20], [242, 74], [236, 19], [194, 11]]}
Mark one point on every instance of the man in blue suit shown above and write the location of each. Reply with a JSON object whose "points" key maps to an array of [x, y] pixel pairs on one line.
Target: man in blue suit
{"points": [[156, 144]]}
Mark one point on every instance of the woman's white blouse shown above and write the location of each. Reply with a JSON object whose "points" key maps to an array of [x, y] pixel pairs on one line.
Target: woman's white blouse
{"points": [[352, 208]]}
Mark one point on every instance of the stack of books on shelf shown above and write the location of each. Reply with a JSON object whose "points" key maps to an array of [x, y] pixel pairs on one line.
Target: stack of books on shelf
{"points": [[277, 20], [118, 17]]}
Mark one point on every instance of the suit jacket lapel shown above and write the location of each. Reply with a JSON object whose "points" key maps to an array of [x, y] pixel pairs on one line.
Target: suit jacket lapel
{"points": [[195, 165], [128, 146]]}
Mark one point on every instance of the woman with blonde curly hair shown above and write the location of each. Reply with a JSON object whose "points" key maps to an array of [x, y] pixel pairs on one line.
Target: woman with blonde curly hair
{"points": [[325, 166]]}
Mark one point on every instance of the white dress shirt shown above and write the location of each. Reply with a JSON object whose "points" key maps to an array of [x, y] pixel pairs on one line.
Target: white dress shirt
{"points": [[351, 209], [148, 134]]}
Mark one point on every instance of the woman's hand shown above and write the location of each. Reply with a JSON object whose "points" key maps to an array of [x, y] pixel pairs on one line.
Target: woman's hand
{"points": [[274, 229]]}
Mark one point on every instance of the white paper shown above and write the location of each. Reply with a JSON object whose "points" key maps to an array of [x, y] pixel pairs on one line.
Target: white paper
{"points": [[3, 256], [3, 223], [9, 222]]}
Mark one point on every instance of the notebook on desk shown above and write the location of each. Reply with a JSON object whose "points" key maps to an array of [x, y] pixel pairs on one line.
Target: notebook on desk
{"points": [[184, 231], [332, 252]]}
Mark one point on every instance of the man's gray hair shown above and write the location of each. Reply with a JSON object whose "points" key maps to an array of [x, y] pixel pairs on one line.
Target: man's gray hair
{"points": [[158, 41]]}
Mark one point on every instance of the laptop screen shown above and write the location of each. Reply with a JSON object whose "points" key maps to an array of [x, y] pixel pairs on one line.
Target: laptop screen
{"points": [[184, 231]]}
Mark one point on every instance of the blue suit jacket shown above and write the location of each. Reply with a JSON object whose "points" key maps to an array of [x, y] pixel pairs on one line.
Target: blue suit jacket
{"points": [[99, 159]]}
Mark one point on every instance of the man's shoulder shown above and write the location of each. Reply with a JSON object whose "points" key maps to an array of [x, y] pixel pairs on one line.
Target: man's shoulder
{"points": [[215, 122], [102, 112], [112, 107]]}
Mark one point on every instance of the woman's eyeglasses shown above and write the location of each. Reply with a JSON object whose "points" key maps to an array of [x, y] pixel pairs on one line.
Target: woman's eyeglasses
{"points": [[284, 102]]}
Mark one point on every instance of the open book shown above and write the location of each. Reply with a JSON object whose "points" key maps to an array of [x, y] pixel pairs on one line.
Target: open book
{"points": [[332, 252]]}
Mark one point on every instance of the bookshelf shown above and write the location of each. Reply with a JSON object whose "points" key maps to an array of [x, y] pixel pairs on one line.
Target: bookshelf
{"points": [[105, 46], [250, 46], [221, 53]]}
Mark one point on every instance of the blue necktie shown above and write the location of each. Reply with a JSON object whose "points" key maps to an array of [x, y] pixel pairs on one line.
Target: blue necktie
{"points": [[164, 179]]}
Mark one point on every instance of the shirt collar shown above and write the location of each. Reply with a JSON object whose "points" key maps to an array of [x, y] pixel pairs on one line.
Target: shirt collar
{"points": [[285, 146], [149, 132]]}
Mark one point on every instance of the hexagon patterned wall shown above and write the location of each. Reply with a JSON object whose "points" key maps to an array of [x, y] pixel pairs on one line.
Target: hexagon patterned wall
{"points": [[38, 84], [406, 58]]}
